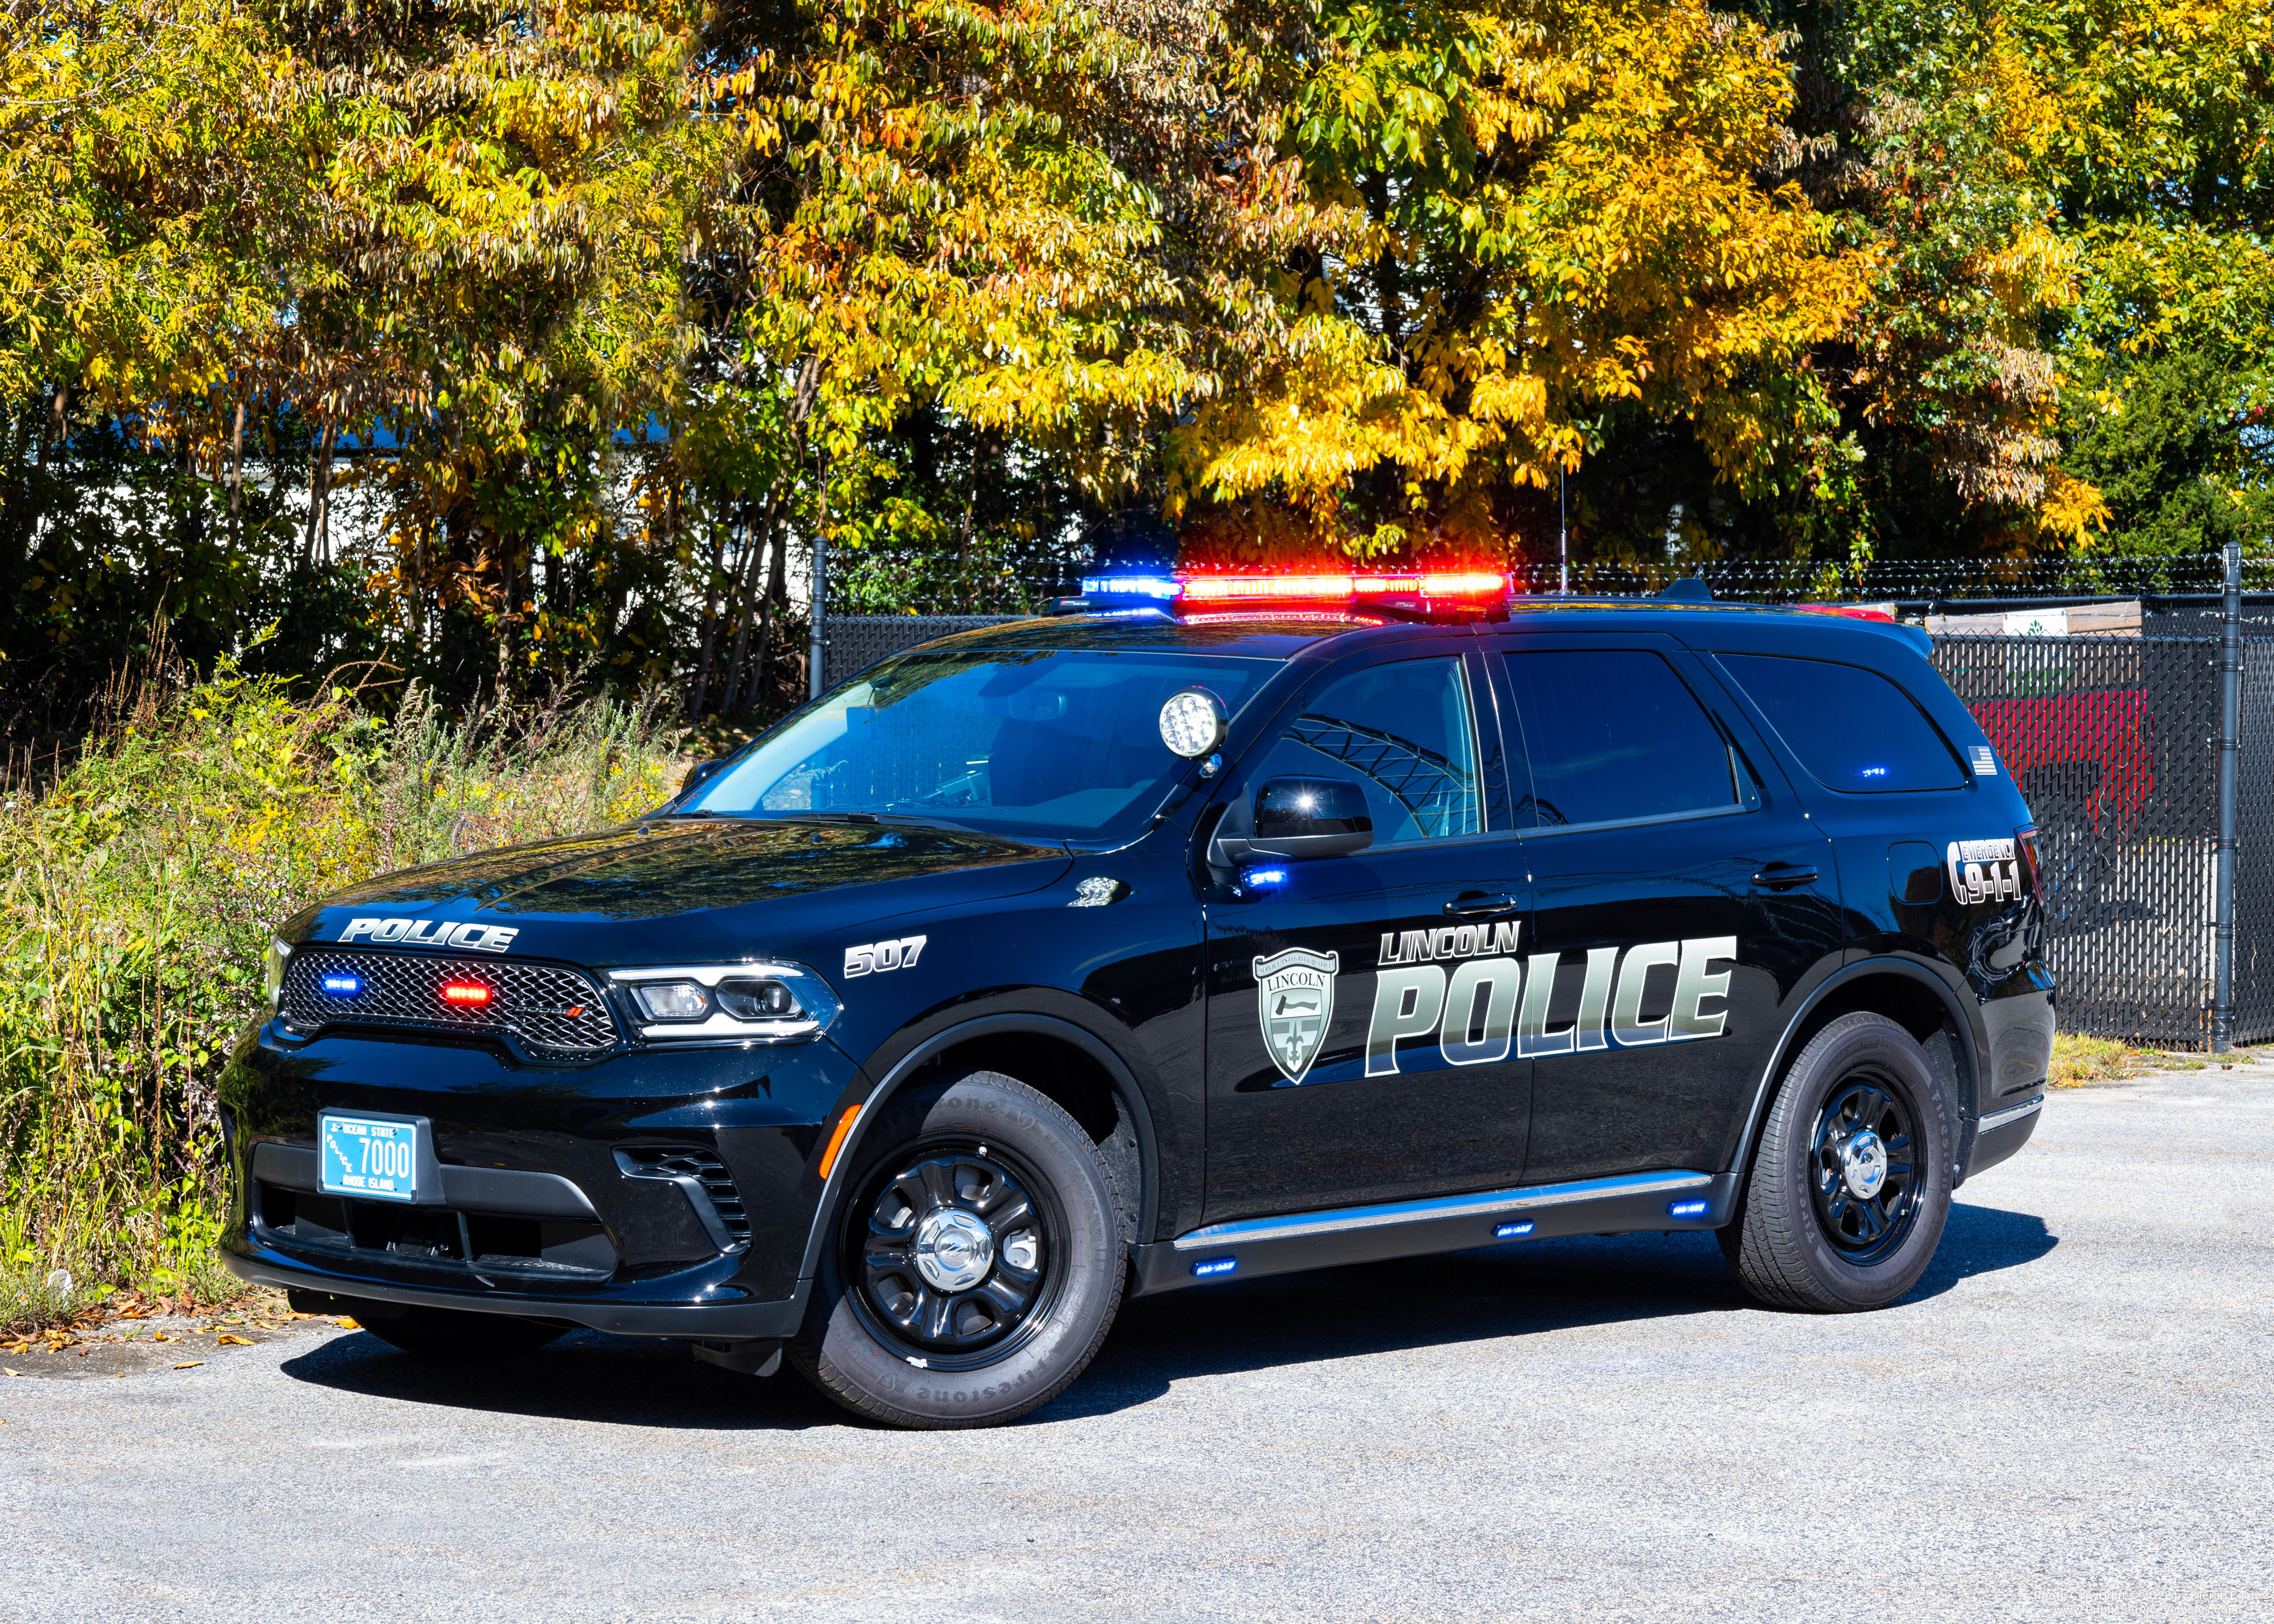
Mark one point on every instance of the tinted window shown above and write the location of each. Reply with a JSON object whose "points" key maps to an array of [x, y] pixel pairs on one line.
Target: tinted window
{"points": [[1404, 733], [1614, 734], [1852, 728]]}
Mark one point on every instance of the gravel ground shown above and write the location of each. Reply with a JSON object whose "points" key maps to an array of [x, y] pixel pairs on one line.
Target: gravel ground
{"points": [[2068, 1420]]}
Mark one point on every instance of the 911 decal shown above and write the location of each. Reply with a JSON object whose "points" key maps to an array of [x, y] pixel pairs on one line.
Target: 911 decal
{"points": [[432, 933], [1983, 871]]}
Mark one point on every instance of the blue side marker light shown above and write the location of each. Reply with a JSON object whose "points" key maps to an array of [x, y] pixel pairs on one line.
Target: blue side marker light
{"points": [[342, 985], [1256, 878], [1686, 1209], [1208, 1266], [1512, 1231]]}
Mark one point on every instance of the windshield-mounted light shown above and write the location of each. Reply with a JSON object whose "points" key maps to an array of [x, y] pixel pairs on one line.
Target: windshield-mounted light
{"points": [[753, 1001]]}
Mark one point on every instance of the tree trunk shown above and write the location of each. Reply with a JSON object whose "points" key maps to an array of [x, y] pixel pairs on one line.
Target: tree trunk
{"points": [[319, 498], [236, 478], [700, 690]]}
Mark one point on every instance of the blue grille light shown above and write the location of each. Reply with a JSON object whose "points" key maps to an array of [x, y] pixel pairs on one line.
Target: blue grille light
{"points": [[342, 985], [1512, 1231], [1208, 1267], [1686, 1209]]}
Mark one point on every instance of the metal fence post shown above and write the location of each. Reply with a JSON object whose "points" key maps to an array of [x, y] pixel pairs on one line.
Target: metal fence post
{"points": [[816, 655], [2230, 781]]}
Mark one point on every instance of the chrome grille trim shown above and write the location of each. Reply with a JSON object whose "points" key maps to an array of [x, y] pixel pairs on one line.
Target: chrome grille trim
{"points": [[532, 1003]]}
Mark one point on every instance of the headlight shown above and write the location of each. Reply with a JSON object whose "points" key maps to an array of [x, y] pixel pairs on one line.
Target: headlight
{"points": [[271, 970], [761, 1001]]}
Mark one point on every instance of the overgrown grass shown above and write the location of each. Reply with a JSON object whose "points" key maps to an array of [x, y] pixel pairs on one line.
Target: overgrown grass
{"points": [[136, 896], [2079, 1060]]}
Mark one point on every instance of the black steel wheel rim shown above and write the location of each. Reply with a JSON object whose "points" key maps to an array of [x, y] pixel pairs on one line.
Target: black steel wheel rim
{"points": [[953, 1183], [1865, 1226]]}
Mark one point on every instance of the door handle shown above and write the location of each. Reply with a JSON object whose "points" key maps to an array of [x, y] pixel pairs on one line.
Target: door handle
{"points": [[1784, 875], [1480, 907]]}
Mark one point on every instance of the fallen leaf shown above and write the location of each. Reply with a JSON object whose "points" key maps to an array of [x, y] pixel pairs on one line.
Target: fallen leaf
{"points": [[4, 1371], [242, 1342], [189, 1364], [350, 1325]]}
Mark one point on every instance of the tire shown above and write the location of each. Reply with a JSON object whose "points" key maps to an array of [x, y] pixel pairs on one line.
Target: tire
{"points": [[991, 1331], [1806, 1235], [456, 1335]]}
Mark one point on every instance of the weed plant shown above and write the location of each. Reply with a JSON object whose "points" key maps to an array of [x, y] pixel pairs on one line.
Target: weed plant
{"points": [[136, 893]]}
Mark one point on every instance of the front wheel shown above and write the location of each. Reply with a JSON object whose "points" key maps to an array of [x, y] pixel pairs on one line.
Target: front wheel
{"points": [[977, 1260], [1852, 1186]]}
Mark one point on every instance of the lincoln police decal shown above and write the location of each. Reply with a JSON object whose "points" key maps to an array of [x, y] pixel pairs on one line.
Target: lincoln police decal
{"points": [[1295, 996], [1983, 870], [432, 933]]}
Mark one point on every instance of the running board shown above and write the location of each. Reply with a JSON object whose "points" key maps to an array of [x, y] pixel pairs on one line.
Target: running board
{"points": [[1279, 1246]]}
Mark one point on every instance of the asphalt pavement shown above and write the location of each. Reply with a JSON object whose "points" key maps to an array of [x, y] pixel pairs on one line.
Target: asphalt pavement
{"points": [[2068, 1420]]}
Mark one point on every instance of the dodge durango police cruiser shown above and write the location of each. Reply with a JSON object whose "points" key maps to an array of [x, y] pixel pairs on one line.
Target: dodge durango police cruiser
{"points": [[1302, 922]]}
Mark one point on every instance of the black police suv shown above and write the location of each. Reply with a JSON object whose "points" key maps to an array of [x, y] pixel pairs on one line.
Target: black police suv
{"points": [[1086, 958]]}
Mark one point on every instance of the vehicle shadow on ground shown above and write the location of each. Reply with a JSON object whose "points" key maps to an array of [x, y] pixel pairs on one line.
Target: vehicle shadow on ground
{"points": [[1514, 1290], [1495, 1292]]}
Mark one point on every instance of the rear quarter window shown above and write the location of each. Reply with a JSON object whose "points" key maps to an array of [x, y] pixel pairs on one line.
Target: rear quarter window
{"points": [[1853, 729]]}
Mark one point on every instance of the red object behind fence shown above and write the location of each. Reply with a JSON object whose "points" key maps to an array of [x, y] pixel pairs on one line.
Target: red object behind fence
{"points": [[2112, 730]]}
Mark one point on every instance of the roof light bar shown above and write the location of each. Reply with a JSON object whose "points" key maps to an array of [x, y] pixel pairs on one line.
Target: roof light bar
{"points": [[1471, 589], [1152, 586]]}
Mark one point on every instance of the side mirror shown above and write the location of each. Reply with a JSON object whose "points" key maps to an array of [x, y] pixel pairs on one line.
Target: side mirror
{"points": [[1302, 818], [697, 774]]}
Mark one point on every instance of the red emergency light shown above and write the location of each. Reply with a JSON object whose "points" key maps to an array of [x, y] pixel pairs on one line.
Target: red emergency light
{"points": [[1854, 612], [1425, 591], [467, 995]]}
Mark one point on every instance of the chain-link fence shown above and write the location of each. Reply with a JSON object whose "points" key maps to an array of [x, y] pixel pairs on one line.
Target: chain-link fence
{"points": [[2113, 741], [854, 641]]}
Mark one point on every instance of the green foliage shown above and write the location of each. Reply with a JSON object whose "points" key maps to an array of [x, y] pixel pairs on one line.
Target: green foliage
{"points": [[135, 902]]}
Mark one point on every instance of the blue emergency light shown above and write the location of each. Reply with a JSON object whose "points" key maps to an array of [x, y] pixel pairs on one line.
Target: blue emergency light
{"points": [[340, 984]]}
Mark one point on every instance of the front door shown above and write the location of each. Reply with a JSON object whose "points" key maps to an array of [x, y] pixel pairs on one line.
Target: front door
{"points": [[1361, 1009], [1681, 895]]}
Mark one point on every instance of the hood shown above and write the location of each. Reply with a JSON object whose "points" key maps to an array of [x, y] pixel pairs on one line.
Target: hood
{"points": [[685, 889]]}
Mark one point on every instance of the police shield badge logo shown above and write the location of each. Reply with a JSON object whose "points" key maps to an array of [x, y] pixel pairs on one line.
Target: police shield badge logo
{"points": [[1295, 998]]}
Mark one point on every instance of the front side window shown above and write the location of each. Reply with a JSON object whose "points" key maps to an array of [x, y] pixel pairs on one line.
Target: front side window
{"points": [[1056, 744], [1614, 735], [1406, 734], [1853, 729]]}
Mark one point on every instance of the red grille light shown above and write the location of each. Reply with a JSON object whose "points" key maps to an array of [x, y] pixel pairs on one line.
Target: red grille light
{"points": [[471, 995]]}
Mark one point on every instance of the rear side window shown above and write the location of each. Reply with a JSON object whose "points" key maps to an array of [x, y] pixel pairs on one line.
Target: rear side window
{"points": [[1853, 729], [1613, 734]]}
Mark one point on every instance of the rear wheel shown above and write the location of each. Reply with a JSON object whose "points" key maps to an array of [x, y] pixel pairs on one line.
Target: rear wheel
{"points": [[453, 1334], [1851, 1185], [977, 1262]]}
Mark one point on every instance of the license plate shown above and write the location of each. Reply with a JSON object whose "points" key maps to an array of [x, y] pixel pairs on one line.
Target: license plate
{"points": [[376, 1161]]}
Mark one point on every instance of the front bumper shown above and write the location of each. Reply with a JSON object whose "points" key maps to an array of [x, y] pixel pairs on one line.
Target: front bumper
{"points": [[550, 1203]]}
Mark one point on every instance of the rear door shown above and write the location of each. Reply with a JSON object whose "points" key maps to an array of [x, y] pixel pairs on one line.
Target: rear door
{"points": [[1684, 902]]}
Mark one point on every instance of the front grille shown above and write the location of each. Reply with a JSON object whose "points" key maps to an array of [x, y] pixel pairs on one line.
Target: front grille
{"points": [[676, 1161], [556, 1014]]}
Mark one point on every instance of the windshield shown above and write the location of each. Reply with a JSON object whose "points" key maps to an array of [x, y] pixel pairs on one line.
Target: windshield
{"points": [[1061, 744]]}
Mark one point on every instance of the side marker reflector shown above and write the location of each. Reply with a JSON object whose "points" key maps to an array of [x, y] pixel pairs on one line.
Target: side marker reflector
{"points": [[1686, 1209], [1512, 1231], [837, 1138], [1208, 1266]]}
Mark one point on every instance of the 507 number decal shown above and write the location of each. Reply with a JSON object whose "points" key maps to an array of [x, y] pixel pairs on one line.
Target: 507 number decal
{"points": [[875, 956]]}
